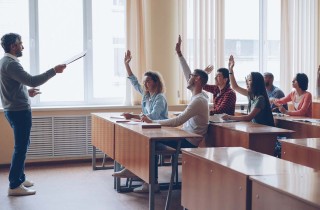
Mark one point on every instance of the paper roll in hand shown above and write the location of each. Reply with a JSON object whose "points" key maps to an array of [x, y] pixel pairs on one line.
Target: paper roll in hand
{"points": [[76, 57]]}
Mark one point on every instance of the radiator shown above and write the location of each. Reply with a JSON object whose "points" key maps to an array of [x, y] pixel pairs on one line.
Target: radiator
{"points": [[60, 137]]}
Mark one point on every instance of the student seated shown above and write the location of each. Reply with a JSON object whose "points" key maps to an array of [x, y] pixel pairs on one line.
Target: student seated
{"points": [[259, 110], [154, 104], [272, 91], [195, 118], [224, 98], [300, 98]]}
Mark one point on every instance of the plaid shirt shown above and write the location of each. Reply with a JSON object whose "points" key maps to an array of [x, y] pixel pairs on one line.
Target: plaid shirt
{"points": [[224, 101]]}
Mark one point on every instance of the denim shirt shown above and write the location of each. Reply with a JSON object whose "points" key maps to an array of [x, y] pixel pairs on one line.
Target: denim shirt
{"points": [[276, 93], [155, 106]]}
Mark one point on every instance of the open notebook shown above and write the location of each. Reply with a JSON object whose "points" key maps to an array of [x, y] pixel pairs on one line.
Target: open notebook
{"points": [[216, 118]]}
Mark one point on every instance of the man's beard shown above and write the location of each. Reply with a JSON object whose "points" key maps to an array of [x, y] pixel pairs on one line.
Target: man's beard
{"points": [[190, 86], [267, 84], [19, 54]]}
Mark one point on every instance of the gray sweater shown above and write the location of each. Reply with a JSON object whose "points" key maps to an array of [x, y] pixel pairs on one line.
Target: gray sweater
{"points": [[13, 82]]}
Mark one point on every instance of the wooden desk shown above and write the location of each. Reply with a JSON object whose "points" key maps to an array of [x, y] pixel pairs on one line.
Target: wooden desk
{"points": [[257, 137], [218, 178], [132, 146], [302, 151], [302, 129], [315, 108], [102, 135], [286, 192]]}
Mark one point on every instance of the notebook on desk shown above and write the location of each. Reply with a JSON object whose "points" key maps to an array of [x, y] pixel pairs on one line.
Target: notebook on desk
{"points": [[117, 117], [151, 125], [216, 118]]}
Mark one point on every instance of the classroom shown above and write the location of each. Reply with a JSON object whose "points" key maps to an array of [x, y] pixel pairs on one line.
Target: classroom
{"points": [[98, 118]]}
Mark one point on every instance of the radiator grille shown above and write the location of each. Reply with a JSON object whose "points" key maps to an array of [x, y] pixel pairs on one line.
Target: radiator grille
{"points": [[56, 137]]}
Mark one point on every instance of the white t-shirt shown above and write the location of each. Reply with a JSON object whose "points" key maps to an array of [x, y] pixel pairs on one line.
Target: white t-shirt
{"points": [[195, 118]]}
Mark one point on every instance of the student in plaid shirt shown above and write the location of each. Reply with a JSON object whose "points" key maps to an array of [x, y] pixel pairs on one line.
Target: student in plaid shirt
{"points": [[224, 98]]}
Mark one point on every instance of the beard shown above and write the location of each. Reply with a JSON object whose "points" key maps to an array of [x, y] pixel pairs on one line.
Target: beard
{"points": [[19, 54], [190, 85], [267, 84]]}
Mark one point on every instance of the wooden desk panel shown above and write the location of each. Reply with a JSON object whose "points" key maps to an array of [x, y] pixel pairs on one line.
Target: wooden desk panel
{"points": [[249, 135], [303, 129], [218, 178], [302, 151], [199, 189], [132, 151], [286, 192], [102, 133], [316, 108]]}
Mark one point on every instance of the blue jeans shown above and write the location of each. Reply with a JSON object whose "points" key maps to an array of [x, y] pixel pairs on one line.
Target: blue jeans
{"points": [[21, 122]]}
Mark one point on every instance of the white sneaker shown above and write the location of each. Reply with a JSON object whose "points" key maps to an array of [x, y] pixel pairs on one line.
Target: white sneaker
{"points": [[28, 183], [21, 191], [124, 173], [144, 188]]}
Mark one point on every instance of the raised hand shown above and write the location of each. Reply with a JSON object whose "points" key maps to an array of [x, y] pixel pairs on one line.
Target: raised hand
{"points": [[127, 57], [208, 69], [231, 63], [178, 45]]}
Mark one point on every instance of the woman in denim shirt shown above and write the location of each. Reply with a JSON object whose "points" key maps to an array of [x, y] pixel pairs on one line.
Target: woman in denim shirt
{"points": [[154, 103]]}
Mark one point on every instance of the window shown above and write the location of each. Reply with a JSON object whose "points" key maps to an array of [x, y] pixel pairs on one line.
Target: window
{"points": [[109, 75], [16, 24], [53, 31], [58, 42], [242, 38], [251, 34]]}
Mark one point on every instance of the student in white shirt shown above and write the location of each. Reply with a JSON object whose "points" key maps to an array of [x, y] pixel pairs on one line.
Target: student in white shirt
{"points": [[194, 118]]}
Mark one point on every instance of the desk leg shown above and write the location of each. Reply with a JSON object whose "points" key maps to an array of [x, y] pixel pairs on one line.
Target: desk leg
{"points": [[117, 181], [94, 157], [94, 161], [152, 174], [173, 173]]}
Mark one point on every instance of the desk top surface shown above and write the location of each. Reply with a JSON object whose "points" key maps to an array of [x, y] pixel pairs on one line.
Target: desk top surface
{"points": [[299, 119], [313, 143], [304, 187], [152, 133], [246, 161], [250, 127]]}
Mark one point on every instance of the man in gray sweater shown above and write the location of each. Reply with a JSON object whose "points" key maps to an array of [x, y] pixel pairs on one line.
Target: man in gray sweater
{"points": [[17, 109]]}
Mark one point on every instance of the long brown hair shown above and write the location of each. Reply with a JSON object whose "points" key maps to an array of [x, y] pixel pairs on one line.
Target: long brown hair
{"points": [[157, 79]]}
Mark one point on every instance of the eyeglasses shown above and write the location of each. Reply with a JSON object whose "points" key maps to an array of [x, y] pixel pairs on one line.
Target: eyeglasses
{"points": [[192, 75]]}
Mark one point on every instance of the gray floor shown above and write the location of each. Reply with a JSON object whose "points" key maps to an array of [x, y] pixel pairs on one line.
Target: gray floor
{"points": [[74, 186]]}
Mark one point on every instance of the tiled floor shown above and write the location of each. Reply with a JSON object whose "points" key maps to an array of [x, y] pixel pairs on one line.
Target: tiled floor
{"points": [[74, 186]]}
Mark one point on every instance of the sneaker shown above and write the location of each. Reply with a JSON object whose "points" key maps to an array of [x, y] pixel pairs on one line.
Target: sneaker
{"points": [[144, 188], [28, 183], [21, 191], [124, 173]]}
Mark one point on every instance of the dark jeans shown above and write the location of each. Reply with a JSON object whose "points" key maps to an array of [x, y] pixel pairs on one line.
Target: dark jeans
{"points": [[21, 122]]}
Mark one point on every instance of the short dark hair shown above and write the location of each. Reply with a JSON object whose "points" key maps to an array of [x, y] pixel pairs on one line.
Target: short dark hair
{"points": [[203, 76], [225, 73], [268, 74], [8, 39], [302, 80]]}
